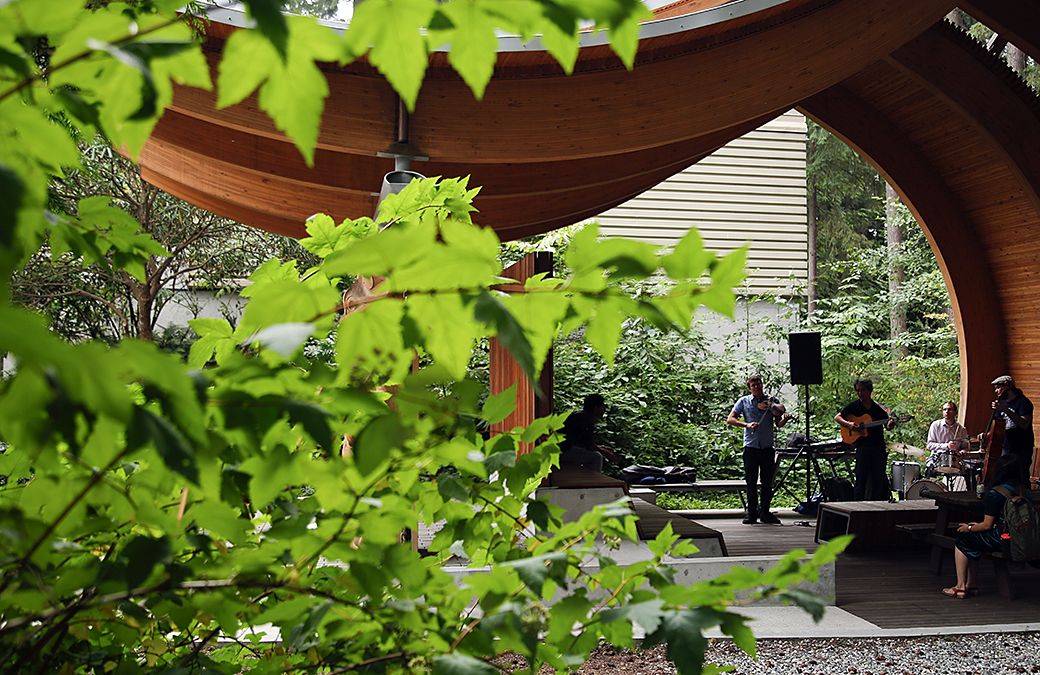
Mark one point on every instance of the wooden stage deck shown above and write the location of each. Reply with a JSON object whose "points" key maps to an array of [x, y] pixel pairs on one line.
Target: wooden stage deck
{"points": [[892, 589]]}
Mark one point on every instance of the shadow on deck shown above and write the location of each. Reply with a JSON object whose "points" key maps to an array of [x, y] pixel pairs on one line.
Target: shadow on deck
{"points": [[893, 589]]}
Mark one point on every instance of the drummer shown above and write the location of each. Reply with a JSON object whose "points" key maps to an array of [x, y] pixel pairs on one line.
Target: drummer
{"points": [[947, 440]]}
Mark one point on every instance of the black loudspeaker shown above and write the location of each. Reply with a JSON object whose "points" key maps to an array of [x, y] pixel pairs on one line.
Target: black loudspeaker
{"points": [[806, 361]]}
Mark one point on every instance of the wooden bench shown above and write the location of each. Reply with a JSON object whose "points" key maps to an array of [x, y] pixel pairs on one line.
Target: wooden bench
{"points": [[738, 486]]}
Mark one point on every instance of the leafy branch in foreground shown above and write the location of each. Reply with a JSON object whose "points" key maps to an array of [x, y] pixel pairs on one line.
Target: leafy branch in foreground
{"points": [[154, 506], [229, 501]]}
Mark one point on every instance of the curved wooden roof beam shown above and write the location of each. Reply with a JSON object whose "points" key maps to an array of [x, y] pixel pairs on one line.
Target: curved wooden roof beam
{"points": [[1014, 19], [952, 235], [547, 149], [1003, 116]]}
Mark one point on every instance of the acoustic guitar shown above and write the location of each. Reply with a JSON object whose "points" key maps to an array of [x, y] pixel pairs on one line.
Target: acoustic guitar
{"points": [[865, 422]]}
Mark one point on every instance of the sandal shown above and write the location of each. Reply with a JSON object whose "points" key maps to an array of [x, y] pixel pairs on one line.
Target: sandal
{"points": [[955, 592], [971, 590]]}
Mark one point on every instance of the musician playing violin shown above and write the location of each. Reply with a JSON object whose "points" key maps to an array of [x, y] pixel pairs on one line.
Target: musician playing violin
{"points": [[1017, 411], [761, 414], [871, 453]]}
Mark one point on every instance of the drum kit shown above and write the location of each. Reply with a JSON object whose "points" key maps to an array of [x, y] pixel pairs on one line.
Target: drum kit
{"points": [[960, 471]]}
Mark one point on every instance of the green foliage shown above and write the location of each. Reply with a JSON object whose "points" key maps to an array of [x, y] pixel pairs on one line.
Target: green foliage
{"points": [[100, 292], [160, 506], [846, 190]]}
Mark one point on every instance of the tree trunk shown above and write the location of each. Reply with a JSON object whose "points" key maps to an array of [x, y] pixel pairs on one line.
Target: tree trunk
{"points": [[1016, 58], [896, 275], [811, 291]]}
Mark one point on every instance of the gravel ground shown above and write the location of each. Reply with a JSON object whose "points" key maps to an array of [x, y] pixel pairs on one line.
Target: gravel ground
{"points": [[987, 654]]}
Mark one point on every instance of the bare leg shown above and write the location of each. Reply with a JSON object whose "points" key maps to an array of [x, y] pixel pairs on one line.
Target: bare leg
{"points": [[963, 566], [972, 579], [965, 572]]}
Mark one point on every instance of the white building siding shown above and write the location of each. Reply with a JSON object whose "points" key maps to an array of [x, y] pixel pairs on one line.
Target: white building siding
{"points": [[752, 190]]}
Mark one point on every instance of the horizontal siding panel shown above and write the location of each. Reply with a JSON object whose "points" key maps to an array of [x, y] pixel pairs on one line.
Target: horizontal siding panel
{"points": [[750, 192]]}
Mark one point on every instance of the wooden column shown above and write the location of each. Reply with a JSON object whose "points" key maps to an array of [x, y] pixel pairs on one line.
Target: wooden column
{"points": [[532, 399]]}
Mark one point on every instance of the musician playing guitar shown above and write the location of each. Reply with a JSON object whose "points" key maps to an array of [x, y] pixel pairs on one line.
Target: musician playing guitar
{"points": [[871, 453]]}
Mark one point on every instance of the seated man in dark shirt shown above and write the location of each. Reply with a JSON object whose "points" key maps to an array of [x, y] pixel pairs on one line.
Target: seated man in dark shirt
{"points": [[579, 446]]}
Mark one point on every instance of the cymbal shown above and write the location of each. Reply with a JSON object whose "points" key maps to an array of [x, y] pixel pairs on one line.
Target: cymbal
{"points": [[949, 470], [975, 455], [904, 449]]}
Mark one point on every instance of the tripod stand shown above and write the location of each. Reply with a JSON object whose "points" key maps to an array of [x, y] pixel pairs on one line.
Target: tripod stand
{"points": [[811, 452]]}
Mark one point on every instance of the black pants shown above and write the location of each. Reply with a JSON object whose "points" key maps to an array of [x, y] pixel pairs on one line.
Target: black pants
{"points": [[872, 468], [759, 463]]}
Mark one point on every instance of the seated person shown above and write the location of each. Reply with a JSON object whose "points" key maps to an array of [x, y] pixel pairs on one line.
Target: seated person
{"points": [[579, 445], [974, 539]]}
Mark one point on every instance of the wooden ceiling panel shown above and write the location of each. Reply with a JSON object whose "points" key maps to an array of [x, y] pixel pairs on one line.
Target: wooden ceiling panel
{"points": [[539, 134]]}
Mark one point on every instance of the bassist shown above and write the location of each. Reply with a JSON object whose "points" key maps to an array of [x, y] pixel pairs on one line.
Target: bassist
{"points": [[1017, 412], [871, 453]]}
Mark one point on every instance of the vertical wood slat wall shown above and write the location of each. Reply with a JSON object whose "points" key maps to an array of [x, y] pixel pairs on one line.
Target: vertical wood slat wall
{"points": [[505, 371], [750, 190]]}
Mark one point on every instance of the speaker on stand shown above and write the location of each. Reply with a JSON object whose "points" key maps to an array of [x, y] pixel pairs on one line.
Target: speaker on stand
{"points": [[806, 360]]}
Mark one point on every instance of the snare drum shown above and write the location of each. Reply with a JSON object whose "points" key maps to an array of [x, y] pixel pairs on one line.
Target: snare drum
{"points": [[903, 475], [924, 484], [946, 461]]}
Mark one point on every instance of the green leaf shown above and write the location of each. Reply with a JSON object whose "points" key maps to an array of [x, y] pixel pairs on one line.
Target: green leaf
{"points": [[535, 571], [499, 460], [688, 260], [285, 338], [271, 22], [293, 89], [375, 443], [248, 59], [393, 31], [372, 339], [12, 191], [447, 329], [499, 406], [539, 514], [269, 475], [474, 44], [315, 421], [492, 312], [142, 555], [168, 441], [624, 32], [812, 603], [604, 329], [216, 335], [647, 614], [456, 663], [682, 630], [450, 487], [283, 302], [327, 238]]}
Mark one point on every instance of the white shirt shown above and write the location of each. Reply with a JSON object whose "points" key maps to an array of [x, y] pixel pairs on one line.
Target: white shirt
{"points": [[940, 434]]}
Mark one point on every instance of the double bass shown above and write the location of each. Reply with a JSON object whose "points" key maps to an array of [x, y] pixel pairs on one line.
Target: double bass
{"points": [[992, 445]]}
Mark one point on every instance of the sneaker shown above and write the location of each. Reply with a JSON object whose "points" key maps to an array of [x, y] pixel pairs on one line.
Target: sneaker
{"points": [[750, 519], [769, 518]]}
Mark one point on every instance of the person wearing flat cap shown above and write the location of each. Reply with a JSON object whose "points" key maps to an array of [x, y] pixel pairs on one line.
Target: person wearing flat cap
{"points": [[1017, 411]]}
